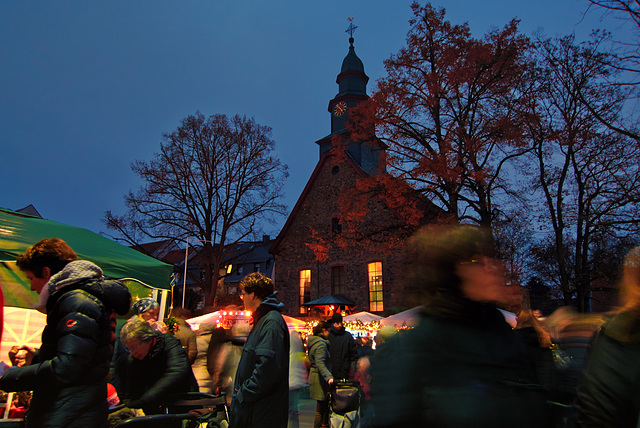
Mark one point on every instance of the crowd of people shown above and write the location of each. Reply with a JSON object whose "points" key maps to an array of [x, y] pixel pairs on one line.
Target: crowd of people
{"points": [[463, 365]]}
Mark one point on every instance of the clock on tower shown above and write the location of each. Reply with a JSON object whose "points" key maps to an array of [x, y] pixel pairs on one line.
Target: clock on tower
{"points": [[340, 108]]}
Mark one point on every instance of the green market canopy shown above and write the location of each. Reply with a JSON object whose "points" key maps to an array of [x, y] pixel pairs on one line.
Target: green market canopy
{"points": [[19, 231]]}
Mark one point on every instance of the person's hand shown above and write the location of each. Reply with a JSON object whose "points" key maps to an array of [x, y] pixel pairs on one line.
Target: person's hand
{"points": [[330, 382], [21, 356]]}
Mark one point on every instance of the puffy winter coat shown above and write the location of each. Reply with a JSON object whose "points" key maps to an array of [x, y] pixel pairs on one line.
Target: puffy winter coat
{"points": [[68, 374], [320, 371], [161, 378], [262, 380]]}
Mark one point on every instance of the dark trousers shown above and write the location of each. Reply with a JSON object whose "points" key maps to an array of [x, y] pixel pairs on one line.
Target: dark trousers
{"points": [[322, 414]]}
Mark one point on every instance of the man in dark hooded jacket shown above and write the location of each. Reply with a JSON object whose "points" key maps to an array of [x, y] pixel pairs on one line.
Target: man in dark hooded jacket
{"points": [[68, 373], [261, 388], [344, 353]]}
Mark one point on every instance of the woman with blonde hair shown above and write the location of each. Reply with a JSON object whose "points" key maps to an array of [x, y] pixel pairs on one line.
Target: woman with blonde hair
{"points": [[610, 392]]}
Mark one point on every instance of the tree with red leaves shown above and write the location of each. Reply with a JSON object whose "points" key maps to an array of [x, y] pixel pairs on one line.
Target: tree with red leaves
{"points": [[449, 112]]}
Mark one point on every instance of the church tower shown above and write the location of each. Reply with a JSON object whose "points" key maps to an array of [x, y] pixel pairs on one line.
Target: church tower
{"points": [[352, 90], [315, 259]]}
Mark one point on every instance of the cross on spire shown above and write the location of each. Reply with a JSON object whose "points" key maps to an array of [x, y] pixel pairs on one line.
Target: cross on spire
{"points": [[351, 28]]}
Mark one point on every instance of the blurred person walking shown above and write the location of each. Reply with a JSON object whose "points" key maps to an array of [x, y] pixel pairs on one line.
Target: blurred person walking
{"points": [[297, 377], [199, 366], [609, 395], [229, 358], [219, 337], [462, 366]]}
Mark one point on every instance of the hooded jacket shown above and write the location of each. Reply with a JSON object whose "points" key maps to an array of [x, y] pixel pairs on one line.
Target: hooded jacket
{"points": [[68, 373], [262, 381], [320, 370]]}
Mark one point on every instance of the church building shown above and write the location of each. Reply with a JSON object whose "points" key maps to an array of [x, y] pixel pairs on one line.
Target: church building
{"points": [[366, 275]]}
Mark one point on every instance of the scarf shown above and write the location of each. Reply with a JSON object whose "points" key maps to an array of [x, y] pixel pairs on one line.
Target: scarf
{"points": [[74, 272]]}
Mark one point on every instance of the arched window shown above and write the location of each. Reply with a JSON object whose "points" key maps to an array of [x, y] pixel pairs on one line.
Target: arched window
{"points": [[337, 280], [305, 289], [375, 286]]}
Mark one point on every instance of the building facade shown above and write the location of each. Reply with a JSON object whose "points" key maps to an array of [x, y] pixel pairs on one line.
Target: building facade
{"points": [[309, 260]]}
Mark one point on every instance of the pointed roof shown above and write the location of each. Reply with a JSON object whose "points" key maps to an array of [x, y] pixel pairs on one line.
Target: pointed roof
{"points": [[352, 79], [351, 62], [305, 194]]}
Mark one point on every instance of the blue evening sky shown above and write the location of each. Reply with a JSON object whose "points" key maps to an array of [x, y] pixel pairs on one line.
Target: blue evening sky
{"points": [[87, 87]]}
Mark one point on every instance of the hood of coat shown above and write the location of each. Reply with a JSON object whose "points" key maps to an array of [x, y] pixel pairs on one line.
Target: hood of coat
{"points": [[314, 340], [86, 276], [272, 302], [268, 304]]}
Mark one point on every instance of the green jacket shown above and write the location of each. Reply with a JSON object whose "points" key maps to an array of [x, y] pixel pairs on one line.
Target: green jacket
{"points": [[320, 370], [262, 380]]}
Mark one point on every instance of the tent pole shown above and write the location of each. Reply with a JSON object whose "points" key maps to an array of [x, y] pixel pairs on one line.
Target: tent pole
{"points": [[184, 280]]}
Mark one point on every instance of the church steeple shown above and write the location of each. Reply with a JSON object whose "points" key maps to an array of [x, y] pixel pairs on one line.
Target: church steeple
{"points": [[352, 90], [352, 87]]}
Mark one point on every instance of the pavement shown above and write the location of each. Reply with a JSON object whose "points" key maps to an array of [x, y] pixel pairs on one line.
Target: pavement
{"points": [[307, 413]]}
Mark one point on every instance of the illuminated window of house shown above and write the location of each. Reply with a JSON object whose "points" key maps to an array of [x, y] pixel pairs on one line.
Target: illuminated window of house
{"points": [[337, 280], [305, 289], [256, 267], [229, 269], [375, 286]]}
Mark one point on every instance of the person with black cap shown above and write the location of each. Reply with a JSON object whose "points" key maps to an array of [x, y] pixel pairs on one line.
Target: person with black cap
{"points": [[344, 353]]}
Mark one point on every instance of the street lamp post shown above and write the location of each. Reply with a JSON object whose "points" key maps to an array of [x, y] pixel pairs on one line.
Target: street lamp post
{"points": [[184, 279]]}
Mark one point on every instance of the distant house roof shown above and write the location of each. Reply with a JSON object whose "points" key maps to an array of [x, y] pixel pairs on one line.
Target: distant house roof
{"points": [[31, 210], [164, 250]]}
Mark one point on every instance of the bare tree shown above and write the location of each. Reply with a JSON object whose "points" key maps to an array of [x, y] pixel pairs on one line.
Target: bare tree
{"points": [[588, 174], [214, 181], [622, 46]]}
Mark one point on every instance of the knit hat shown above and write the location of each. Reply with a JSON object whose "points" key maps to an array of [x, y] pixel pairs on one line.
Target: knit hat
{"points": [[337, 317], [112, 396], [143, 305]]}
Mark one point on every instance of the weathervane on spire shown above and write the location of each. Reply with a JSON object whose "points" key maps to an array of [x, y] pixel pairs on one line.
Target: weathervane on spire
{"points": [[351, 28]]}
